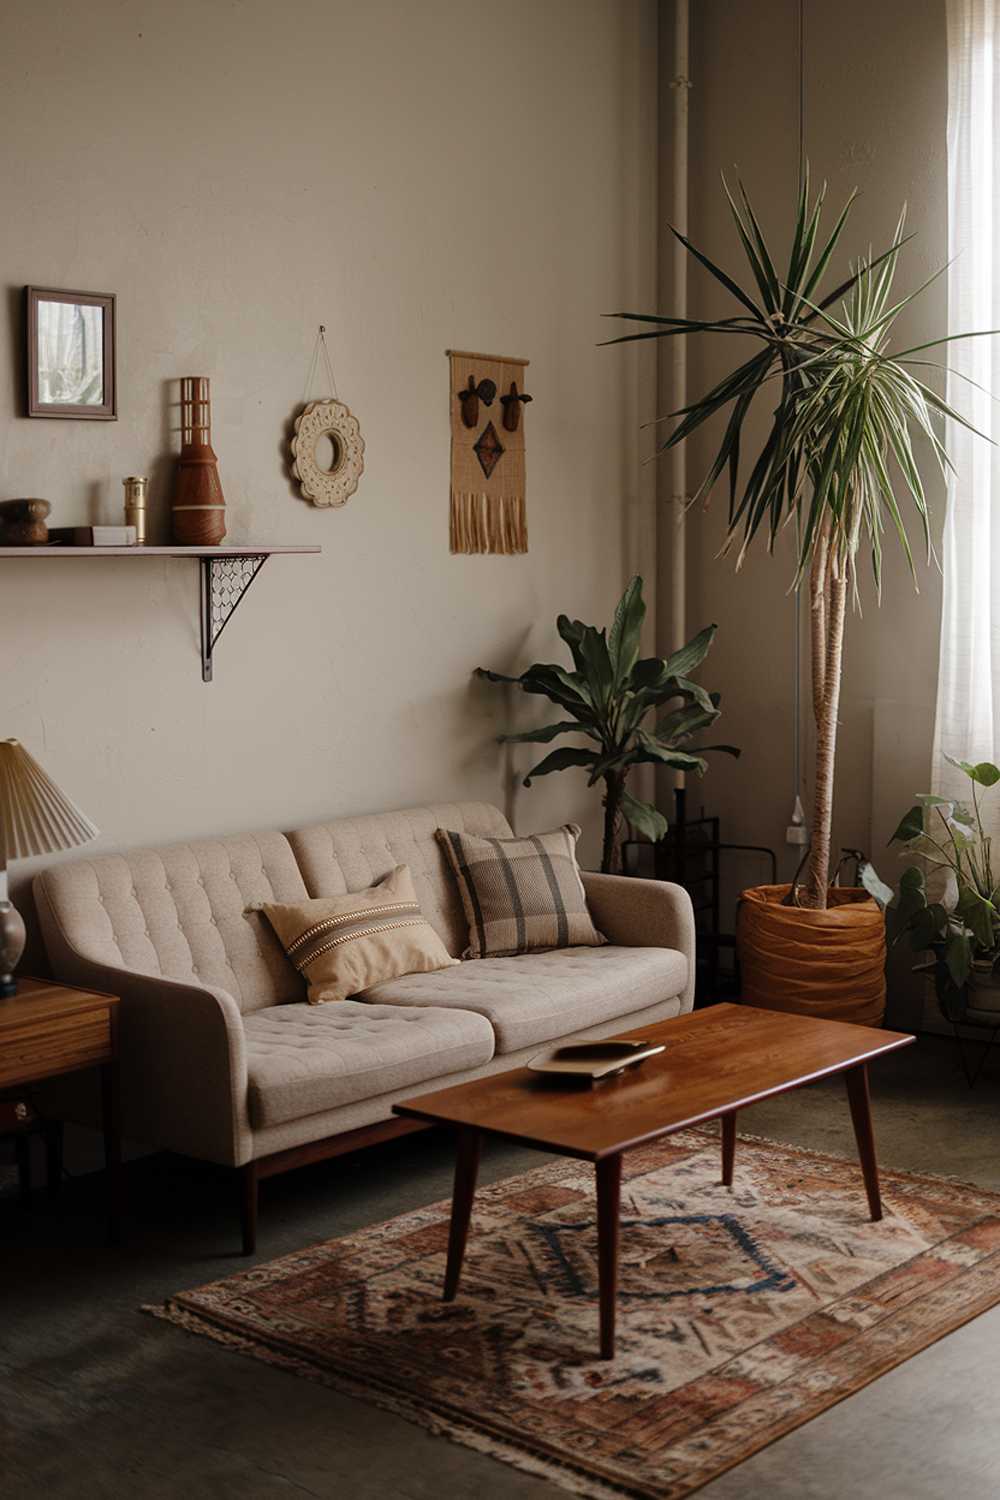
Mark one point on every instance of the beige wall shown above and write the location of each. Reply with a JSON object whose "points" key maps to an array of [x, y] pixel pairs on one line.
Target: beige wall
{"points": [[415, 176], [875, 118]]}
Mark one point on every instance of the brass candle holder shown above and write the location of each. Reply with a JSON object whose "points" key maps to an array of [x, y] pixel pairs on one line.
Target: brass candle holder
{"points": [[135, 505]]}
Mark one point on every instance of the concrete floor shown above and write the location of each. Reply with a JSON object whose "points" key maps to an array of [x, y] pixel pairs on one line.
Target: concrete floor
{"points": [[98, 1402]]}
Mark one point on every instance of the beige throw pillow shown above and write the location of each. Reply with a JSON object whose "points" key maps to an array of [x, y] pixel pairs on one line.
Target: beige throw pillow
{"points": [[344, 944], [520, 895]]}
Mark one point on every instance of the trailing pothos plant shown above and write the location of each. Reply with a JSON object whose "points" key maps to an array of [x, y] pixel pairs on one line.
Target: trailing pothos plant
{"points": [[959, 921], [609, 696]]}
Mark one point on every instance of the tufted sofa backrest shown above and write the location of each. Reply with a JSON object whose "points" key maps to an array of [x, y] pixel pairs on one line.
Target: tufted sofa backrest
{"points": [[181, 912], [350, 854], [186, 911]]}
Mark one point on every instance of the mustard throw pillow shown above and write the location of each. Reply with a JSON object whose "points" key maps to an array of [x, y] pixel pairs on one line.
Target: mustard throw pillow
{"points": [[344, 944]]}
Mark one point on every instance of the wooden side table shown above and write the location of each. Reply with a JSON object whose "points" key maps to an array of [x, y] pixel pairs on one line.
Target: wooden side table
{"points": [[49, 1029]]}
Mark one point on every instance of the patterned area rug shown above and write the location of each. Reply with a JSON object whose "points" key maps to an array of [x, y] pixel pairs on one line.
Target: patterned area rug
{"points": [[742, 1312]]}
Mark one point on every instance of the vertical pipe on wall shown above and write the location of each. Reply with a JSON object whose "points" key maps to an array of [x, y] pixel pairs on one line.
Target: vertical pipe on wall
{"points": [[680, 84], [795, 832]]}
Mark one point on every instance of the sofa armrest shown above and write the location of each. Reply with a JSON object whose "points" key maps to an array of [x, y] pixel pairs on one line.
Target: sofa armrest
{"points": [[182, 1052], [644, 914]]}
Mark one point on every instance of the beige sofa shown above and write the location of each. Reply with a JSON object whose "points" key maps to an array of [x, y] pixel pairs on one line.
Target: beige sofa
{"points": [[222, 1059]]}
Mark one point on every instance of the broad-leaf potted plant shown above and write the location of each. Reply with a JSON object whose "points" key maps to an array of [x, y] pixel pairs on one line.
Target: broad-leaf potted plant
{"points": [[958, 917], [836, 468], [609, 696]]}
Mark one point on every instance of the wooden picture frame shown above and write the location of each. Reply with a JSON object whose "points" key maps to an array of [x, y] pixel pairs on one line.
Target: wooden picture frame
{"points": [[80, 380]]}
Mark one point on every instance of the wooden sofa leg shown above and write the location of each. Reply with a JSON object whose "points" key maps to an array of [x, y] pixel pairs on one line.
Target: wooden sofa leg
{"points": [[248, 1196]]}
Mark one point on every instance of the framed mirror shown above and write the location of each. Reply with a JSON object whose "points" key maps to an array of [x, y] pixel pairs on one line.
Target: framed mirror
{"points": [[71, 354]]}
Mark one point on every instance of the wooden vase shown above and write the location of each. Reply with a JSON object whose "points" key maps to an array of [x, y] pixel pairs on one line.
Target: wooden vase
{"points": [[199, 508]]}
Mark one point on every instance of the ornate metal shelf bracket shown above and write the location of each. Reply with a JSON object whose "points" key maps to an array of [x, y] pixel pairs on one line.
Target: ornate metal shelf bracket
{"points": [[224, 582]]}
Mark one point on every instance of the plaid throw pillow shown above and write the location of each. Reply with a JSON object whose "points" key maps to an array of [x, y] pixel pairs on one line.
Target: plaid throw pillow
{"points": [[520, 895], [342, 945]]}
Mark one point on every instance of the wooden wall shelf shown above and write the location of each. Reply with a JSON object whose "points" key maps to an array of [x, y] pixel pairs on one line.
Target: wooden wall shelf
{"points": [[225, 575], [237, 550]]}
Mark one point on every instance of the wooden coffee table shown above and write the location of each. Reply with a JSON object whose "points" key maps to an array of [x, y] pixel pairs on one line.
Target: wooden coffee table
{"points": [[716, 1062]]}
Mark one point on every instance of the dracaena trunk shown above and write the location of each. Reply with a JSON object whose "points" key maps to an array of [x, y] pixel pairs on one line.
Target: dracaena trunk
{"points": [[828, 602], [614, 786]]}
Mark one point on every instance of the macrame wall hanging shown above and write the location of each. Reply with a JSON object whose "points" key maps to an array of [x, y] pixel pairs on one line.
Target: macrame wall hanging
{"points": [[487, 453], [328, 451]]}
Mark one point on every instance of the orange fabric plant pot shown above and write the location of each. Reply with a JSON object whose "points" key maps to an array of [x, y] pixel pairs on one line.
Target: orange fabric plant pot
{"points": [[816, 963]]}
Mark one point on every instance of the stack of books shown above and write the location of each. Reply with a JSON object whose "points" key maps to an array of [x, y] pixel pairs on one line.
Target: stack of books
{"points": [[93, 536]]}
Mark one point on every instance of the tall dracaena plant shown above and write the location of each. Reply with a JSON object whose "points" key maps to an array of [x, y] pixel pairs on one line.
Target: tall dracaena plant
{"points": [[837, 463]]}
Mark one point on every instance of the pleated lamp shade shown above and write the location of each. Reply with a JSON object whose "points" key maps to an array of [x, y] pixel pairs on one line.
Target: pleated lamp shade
{"points": [[35, 816]]}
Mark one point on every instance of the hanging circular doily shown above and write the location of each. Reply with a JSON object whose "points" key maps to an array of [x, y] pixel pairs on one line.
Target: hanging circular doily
{"points": [[332, 479], [328, 451]]}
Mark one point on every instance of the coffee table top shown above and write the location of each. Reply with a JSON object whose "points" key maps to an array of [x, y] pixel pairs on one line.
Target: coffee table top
{"points": [[716, 1060]]}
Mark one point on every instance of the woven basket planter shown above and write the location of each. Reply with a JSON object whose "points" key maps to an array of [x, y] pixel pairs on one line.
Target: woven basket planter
{"points": [[829, 963]]}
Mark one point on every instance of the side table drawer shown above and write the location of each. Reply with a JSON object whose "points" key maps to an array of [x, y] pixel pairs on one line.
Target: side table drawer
{"points": [[39, 1049]]}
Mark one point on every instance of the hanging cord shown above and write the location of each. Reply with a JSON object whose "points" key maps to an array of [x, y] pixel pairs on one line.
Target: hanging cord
{"points": [[320, 347], [797, 684], [802, 92]]}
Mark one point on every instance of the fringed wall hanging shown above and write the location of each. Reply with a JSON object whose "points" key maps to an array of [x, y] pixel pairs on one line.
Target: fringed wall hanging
{"points": [[487, 453]]}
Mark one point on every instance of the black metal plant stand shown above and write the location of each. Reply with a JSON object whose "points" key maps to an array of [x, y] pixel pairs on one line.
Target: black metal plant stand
{"points": [[691, 855], [972, 1075]]}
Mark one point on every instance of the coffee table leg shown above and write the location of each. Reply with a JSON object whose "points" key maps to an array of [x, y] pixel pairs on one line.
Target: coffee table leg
{"points": [[466, 1172], [609, 1188], [861, 1117], [728, 1148]]}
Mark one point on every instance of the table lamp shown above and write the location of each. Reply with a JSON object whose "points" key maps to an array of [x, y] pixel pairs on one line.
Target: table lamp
{"points": [[35, 818]]}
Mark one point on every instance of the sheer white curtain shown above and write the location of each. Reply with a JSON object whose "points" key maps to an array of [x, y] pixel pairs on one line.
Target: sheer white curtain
{"points": [[968, 701]]}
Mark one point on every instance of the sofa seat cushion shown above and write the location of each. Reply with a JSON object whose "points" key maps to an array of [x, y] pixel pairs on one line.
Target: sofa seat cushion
{"points": [[302, 1059], [539, 997]]}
